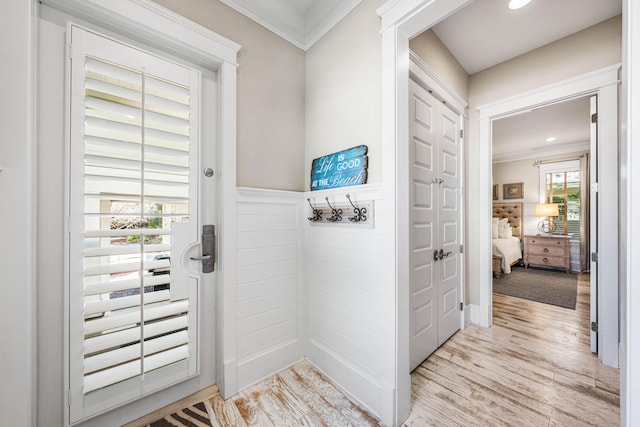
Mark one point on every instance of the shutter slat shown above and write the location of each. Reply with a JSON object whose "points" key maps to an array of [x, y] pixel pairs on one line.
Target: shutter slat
{"points": [[124, 267], [123, 372], [124, 249], [117, 320], [132, 335], [123, 285], [165, 358], [124, 302], [131, 352], [128, 232], [111, 376]]}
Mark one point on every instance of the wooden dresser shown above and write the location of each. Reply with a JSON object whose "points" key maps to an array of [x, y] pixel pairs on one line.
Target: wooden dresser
{"points": [[547, 251]]}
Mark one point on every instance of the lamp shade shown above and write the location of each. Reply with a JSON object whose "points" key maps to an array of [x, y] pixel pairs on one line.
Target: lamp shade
{"points": [[546, 209]]}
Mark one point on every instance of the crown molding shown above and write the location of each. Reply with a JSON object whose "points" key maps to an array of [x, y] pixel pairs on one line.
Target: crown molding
{"points": [[301, 29]]}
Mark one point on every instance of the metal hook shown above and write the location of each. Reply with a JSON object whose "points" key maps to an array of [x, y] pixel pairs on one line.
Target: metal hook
{"points": [[360, 213], [336, 213], [317, 213]]}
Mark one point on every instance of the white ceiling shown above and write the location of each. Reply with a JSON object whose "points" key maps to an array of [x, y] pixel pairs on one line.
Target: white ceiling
{"points": [[523, 136], [487, 32], [479, 36]]}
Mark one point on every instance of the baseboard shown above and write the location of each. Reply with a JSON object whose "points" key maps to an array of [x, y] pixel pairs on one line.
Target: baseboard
{"points": [[472, 314], [356, 384], [252, 370]]}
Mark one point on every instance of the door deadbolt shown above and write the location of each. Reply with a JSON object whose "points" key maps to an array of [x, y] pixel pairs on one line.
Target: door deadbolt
{"points": [[208, 172]]}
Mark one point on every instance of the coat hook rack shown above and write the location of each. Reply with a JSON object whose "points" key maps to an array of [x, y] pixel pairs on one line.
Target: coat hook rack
{"points": [[360, 214], [316, 213], [336, 213]]}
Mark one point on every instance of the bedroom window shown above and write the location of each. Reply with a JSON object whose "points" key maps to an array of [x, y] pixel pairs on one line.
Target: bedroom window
{"points": [[562, 186]]}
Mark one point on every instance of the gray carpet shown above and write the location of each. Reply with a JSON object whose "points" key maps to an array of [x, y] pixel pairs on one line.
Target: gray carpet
{"points": [[550, 287]]}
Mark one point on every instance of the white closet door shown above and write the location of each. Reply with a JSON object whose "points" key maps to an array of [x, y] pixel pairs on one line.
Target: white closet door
{"points": [[434, 218], [422, 220], [449, 222]]}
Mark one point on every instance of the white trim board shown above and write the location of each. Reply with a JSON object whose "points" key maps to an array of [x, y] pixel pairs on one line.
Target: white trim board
{"points": [[401, 20], [156, 27], [604, 83], [630, 198]]}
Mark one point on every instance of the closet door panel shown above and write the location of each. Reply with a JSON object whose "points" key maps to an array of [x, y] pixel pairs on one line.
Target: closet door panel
{"points": [[449, 222], [422, 220]]}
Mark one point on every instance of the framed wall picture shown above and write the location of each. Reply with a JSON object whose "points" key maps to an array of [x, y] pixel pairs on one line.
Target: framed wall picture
{"points": [[513, 191], [495, 191]]}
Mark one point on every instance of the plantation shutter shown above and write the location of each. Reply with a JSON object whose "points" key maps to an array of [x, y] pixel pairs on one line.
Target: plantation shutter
{"points": [[132, 201]]}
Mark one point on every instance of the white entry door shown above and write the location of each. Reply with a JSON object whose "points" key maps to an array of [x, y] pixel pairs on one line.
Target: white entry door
{"points": [[435, 221], [135, 223]]}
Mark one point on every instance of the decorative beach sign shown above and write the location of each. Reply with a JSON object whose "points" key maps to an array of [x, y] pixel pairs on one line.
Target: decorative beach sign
{"points": [[341, 169]]}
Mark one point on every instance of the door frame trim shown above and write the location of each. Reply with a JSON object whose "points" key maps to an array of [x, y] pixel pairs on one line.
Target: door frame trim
{"points": [[402, 20], [158, 27], [604, 83]]}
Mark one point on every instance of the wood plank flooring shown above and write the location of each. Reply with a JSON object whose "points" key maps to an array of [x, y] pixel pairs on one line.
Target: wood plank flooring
{"points": [[532, 368]]}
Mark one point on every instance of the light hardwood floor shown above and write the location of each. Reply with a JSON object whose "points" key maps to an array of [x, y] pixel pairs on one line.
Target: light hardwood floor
{"points": [[532, 368]]}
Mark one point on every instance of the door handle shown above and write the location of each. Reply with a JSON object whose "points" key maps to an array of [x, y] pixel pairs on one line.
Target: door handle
{"points": [[208, 249]]}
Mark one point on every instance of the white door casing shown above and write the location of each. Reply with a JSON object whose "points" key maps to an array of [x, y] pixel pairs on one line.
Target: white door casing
{"points": [[435, 212], [593, 223]]}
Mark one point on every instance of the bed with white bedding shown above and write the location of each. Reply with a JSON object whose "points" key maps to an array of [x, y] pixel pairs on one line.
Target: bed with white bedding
{"points": [[506, 233]]}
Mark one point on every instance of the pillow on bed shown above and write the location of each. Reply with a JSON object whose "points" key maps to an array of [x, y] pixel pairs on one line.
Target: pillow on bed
{"points": [[503, 224], [494, 228], [508, 232]]}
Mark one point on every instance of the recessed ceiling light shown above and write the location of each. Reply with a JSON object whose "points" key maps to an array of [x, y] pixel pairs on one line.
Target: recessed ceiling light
{"points": [[551, 139], [517, 4]]}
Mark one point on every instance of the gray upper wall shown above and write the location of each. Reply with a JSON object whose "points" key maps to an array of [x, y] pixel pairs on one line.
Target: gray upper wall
{"points": [[271, 96], [436, 55]]}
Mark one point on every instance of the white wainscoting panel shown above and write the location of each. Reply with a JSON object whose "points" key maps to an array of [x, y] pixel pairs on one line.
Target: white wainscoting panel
{"points": [[346, 302], [268, 292]]}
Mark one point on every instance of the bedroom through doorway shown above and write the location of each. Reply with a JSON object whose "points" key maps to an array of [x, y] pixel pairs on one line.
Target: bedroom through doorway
{"points": [[542, 173]]}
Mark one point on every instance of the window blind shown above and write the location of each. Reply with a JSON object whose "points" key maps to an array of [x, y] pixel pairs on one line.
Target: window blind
{"points": [[136, 154]]}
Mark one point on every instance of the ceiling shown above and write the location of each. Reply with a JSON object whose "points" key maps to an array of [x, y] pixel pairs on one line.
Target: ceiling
{"points": [[479, 36], [523, 136], [487, 32]]}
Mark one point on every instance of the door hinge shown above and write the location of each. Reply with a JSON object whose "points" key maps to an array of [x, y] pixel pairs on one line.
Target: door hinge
{"points": [[594, 118], [461, 306], [461, 133], [594, 326], [461, 249], [594, 256], [594, 187], [69, 397]]}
